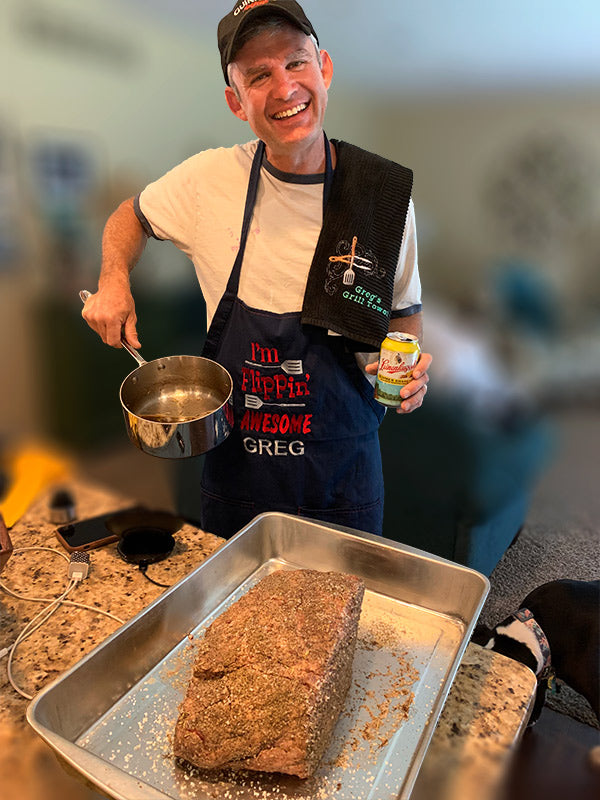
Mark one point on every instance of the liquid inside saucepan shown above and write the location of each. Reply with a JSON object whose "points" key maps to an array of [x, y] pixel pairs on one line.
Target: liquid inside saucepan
{"points": [[178, 407]]}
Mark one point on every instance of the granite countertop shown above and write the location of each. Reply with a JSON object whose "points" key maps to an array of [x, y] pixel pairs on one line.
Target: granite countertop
{"points": [[483, 719], [484, 715]]}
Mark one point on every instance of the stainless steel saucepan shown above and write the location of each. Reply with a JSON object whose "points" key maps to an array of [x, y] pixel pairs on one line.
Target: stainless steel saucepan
{"points": [[177, 406]]}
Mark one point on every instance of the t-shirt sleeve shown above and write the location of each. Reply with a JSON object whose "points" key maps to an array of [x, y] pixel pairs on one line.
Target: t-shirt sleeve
{"points": [[166, 208], [407, 286]]}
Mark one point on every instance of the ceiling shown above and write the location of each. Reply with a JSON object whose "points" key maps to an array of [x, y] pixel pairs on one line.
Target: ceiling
{"points": [[432, 46]]}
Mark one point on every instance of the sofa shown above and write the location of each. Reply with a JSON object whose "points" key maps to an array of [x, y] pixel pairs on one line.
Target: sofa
{"points": [[457, 484]]}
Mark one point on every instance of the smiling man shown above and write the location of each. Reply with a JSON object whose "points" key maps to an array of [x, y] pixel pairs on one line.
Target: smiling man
{"points": [[284, 319]]}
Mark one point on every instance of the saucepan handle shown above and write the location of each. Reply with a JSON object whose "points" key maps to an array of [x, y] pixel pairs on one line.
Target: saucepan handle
{"points": [[84, 294]]}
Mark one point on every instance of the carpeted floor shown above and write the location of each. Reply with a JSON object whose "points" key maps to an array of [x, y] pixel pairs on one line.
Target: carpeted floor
{"points": [[561, 535]]}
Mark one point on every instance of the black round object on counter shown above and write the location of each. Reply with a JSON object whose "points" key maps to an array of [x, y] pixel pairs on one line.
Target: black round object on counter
{"points": [[123, 521], [145, 536], [145, 545]]}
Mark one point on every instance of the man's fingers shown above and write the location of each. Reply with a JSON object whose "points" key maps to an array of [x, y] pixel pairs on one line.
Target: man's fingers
{"points": [[111, 334], [413, 401], [129, 330], [422, 365], [130, 335]]}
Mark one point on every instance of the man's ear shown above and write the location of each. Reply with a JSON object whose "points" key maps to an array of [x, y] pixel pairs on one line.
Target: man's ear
{"points": [[234, 104], [326, 68]]}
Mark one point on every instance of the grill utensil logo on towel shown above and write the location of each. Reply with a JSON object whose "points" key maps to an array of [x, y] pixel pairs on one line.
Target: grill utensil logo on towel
{"points": [[349, 258], [350, 261]]}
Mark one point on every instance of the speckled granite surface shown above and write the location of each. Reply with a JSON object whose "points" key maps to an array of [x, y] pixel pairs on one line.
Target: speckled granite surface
{"points": [[485, 714], [483, 717]]}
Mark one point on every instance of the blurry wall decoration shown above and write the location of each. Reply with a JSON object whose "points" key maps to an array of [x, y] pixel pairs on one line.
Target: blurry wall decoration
{"points": [[63, 181], [541, 190]]}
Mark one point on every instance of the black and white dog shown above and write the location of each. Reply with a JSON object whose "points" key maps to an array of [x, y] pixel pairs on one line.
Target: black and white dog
{"points": [[556, 633]]}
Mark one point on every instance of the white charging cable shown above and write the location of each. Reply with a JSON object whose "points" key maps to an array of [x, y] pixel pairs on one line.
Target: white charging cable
{"points": [[77, 571]]}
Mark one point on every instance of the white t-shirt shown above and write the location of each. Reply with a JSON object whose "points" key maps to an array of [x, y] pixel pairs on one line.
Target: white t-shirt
{"points": [[199, 206]]}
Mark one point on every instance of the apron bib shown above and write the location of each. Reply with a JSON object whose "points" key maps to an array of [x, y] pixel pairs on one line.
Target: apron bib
{"points": [[305, 435]]}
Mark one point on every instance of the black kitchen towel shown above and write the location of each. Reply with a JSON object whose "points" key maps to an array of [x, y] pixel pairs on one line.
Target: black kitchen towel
{"points": [[351, 280]]}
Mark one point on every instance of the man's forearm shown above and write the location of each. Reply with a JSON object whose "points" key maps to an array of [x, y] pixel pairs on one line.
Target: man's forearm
{"points": [[123, 243], [412, 324]]}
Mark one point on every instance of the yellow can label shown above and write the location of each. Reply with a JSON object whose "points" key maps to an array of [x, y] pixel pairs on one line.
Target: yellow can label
{"points": [[398, 356]]}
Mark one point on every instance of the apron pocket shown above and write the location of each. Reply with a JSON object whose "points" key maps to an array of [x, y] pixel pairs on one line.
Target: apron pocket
{"points": [[368, 517], [223, 516]]}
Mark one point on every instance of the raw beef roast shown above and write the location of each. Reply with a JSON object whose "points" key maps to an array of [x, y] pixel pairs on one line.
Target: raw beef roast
{"points": [[271, 675]]}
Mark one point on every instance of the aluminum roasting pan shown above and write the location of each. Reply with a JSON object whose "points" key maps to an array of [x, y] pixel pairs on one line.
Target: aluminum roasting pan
{"points": [[112, 715]]}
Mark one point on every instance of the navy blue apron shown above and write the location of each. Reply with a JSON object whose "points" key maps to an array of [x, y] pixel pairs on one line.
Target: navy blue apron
{"points": [[305, 420]]}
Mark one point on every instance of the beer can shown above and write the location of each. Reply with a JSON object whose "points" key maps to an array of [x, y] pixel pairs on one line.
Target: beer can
{"points": [[399, 354]]}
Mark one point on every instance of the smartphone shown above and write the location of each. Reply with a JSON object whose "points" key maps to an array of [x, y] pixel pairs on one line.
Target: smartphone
{"points": [[87, 534]]}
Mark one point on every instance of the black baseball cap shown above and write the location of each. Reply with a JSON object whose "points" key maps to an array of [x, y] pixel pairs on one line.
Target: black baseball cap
{"points": [[233, 23]]}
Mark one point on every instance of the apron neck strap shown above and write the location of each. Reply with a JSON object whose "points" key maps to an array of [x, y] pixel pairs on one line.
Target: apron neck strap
{"points": [[234, 278], [328, 173]]}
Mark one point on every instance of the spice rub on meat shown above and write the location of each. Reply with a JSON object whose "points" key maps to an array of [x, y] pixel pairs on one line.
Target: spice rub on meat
{"points": [[271, 675]]}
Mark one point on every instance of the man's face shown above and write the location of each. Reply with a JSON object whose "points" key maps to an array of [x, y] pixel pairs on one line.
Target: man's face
{"points": [[282, 94]]}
